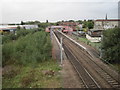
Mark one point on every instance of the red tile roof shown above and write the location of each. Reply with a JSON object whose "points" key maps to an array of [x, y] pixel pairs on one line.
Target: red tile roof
{"points": [[108, 20]]}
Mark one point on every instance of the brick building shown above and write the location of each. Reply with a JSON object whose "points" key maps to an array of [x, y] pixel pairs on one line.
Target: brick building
{"points": [[70, 24]]}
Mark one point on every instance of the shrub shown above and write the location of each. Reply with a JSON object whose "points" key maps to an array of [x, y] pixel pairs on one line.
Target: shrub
{"points": [[8, 38], [32, 48], [111, 45], [19, 33]]}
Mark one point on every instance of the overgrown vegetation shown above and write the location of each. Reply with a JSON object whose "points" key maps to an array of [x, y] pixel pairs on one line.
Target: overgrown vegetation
{"points": [[27, 60], [8, 37], [28, 77], [87, 24], [111, 45], [32, 48]]}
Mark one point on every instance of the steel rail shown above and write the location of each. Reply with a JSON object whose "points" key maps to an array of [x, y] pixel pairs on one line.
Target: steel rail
{"points": [[100, 70]]}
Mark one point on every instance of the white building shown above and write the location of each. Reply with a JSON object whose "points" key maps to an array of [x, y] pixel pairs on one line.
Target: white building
{"points": [[29, 26], [106, 23], [94, 35]]}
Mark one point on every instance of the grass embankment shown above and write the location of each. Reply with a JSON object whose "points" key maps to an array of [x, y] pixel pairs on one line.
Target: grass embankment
{"points": [[95, 45], [98, 46], [27, 62], [29, 77], [116, 67]]}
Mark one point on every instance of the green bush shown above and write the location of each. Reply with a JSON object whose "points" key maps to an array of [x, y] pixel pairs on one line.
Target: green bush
{"points": [[32, 48], [19, 33], [24, 32], [8, 38], [111, 45]]}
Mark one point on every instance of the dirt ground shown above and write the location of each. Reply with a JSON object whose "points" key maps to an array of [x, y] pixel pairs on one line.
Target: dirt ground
{"points": [[69, 77]]}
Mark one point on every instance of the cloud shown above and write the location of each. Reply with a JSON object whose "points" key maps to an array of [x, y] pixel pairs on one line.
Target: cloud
{"points": [[25, 10], [60, 0]]}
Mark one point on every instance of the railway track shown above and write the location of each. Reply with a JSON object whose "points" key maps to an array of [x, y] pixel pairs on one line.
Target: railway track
{"points": [[87, 68], [86, 78]]}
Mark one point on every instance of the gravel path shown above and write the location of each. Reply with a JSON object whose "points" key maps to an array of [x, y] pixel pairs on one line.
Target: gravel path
{"points": [[69, 77]]}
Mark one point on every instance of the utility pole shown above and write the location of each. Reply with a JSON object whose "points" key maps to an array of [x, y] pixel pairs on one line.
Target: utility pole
{"points": [[77, 34], [51, 33], [101, 54], [61, 56]]}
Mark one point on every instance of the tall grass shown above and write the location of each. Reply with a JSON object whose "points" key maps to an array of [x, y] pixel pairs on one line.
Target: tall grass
{"points": [[32, 48]]}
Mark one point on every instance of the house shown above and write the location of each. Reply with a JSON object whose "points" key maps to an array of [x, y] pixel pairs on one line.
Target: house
{"points": [[13, 28], [70, 24], [106, 23], [53, 28], [65, 29], [29, 26], [94, 35], [8, 29]]}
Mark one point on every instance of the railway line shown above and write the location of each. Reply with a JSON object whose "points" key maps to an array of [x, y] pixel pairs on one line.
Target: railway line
{"points": [[90, 72]]}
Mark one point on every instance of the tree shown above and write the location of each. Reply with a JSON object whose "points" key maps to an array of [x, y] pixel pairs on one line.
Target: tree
{"points": [[46, 21], [80, 21], [111, 45], [43, 25], [71, 21], [90, 25], [36, 22], [22, 23], [84, 24]]}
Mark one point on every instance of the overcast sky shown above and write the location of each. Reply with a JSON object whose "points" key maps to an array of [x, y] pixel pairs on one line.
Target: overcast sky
{"points": [[14, 11]]}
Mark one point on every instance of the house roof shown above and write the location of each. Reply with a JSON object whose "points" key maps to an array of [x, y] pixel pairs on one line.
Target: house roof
{"points": [[7, 27], [108, 20], [56, 27], [68, 23]]}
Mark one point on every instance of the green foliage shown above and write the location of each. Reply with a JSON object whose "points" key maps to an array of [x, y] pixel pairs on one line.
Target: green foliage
{"points": [[32, 22], [19, 33], [24, 32], [43, 25], [111, 45], [77, 27], [80, 21], [9, 37], [88, 24], [22, 23], [32, 48], [71, 21]]}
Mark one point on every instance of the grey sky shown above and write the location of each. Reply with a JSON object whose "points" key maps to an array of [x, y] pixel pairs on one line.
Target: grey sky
{"points": [[14, 11]]}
